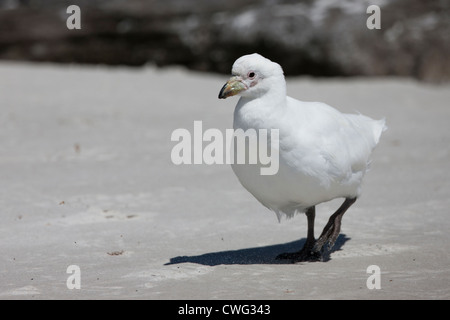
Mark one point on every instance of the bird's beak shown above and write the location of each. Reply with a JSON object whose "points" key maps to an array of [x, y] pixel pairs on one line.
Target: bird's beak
{"points": [[232, 87]]}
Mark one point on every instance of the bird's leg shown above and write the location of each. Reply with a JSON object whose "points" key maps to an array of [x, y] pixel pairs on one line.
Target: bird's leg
{"points": [[310, 240], [306, 253], [332, 229]]}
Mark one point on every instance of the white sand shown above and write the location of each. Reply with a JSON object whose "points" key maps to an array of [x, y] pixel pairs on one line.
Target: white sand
{"points": [[87, 180]]}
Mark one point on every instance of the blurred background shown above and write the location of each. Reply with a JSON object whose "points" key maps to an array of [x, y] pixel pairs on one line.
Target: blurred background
{"points": [[309, 37]]}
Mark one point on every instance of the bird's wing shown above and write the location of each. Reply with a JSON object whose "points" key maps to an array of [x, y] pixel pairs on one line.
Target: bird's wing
{"points": [[336, 144]]}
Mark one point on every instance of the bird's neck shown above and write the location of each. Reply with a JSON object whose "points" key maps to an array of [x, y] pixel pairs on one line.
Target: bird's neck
{"points": [[262, 108], [275, 97], [258, 113]]}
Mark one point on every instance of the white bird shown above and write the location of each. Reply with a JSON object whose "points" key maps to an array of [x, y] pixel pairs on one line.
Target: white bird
{"points": [[323, 153]]}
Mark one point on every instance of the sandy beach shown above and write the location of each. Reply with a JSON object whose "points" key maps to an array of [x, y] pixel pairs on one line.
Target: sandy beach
{"points": [[87, 180]]}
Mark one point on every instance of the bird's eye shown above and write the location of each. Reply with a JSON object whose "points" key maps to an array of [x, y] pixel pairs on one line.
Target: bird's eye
{"points": [[251, 74]]}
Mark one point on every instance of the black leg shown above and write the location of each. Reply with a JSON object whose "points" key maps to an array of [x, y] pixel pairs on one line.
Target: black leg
{"points": [[310, 240], [333, 227], [306, 253]]}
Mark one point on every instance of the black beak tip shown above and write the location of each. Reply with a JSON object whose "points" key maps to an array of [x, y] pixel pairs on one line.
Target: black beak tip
{"points": [[221, 93]]}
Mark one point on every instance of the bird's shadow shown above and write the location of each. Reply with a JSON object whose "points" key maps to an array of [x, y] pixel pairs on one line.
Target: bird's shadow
{"points": [[258, 255]]}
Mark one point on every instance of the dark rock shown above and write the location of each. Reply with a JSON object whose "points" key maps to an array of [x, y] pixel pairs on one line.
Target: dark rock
{"points": [[319, 38]]}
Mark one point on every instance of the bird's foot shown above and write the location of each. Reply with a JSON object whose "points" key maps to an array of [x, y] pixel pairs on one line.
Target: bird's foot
{"points": [[304, 255], [328, 238]]}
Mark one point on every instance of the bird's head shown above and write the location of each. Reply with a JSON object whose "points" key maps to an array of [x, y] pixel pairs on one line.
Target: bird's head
{"points": [[253, 76]]}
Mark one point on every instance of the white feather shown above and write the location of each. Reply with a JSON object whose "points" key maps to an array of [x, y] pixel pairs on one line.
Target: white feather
{"points": [[323, 153]]}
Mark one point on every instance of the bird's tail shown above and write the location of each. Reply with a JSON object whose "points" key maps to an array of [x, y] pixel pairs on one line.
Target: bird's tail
{"points": [[369, 128], [378, 127]]}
